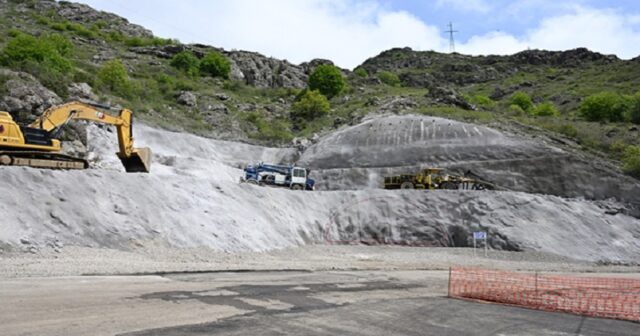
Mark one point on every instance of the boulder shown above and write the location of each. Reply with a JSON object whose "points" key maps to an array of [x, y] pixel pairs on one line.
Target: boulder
{"points": [[187, 98]]}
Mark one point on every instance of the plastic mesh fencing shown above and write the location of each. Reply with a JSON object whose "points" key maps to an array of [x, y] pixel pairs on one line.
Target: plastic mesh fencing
{"points": [[617, 298]]}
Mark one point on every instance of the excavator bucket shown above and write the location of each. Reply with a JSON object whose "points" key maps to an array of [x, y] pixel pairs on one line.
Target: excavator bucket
{"points": [[138, 162]]}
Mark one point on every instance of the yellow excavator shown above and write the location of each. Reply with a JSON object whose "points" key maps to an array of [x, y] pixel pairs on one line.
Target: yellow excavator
{"points": [[37, 145]]}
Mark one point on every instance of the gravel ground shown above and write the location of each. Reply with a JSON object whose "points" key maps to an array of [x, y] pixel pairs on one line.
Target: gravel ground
{"points": [[91, 261]]}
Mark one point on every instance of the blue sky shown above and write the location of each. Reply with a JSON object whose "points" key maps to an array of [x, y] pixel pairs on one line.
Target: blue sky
{"points": [[350, 31]]}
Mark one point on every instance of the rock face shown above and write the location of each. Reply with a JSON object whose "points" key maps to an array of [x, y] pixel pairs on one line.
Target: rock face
{"points": [[85, 14], [360, 156], [250, 68], [428, 68], [25, 98], [257, 70], [188, 99]]}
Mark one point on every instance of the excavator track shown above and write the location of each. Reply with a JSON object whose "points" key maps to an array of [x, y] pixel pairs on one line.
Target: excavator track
{"points": [[41, 160]]}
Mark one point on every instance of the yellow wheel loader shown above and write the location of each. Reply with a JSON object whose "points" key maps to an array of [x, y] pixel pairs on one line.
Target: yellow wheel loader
{"points": [[37, 145], [435, 178]]}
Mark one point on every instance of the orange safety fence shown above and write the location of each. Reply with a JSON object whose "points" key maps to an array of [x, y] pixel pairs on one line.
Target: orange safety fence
{"points": [[617, 298]]}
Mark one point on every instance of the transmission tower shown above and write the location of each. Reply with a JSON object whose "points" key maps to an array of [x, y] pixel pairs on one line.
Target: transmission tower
{"points": [[452, 42]]}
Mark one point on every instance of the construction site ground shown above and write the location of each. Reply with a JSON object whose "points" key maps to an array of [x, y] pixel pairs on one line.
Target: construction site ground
{"points": [[338, 302]]}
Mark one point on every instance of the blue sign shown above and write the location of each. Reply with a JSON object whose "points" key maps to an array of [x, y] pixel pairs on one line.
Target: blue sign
{"points": [[479, 235]]}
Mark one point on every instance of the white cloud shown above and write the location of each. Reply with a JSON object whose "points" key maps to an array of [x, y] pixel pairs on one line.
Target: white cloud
{"points": [[347, 32], [466, 5], [601, 30]]}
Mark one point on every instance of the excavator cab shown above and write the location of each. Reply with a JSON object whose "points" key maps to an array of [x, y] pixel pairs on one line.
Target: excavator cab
{"points": [[138, 162]]}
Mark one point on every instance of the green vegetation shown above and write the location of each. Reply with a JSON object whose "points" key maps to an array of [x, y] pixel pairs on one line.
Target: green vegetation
{"points": [[482, 100], [360, 72], [631, 161], [604, 106], [113, 78], [546, 109], [522, 100], [274, 130], [46, 57], [633, 112], [187, 62], [389, 78], [328, 80], [215, 65], [311, 105]]}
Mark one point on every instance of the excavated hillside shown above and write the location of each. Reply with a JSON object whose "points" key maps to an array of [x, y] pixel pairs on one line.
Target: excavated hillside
{"points": [[192, 198]]}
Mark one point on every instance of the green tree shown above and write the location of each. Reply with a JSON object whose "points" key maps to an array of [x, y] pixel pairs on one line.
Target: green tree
{"points": [[546, 109], [311, 105], [604, 106], [327, 79], [631, 161], [215, 65], [113, 77], [389, 78], [187, 62], [522, 100]]}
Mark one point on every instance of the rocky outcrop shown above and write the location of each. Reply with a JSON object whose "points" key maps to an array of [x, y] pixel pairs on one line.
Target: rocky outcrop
{"points": [[84, 14], [187, 98], [250, 68], [448, 96], [23, 96], [260, 71]]}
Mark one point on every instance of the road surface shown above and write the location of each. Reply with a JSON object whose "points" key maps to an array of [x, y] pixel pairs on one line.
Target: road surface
{"points": [[271, 303]]}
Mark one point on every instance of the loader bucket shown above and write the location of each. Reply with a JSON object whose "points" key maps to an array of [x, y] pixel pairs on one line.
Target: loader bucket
{"points": [[138, 162]]}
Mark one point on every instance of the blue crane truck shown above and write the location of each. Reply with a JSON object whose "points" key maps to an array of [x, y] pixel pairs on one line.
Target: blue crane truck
{"points": [[296, 178]]}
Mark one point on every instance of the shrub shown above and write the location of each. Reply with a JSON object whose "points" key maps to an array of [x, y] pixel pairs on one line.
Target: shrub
{"points": [[389, 78], [522, 100], [568, 130], [45, 57], [482, 100], [546, 110], [604, 106], [215, 65], [360, 72], [276, 129], [633, 112], [327, 79], [187, 62], [631, 161], [516, 110], [51, 51], [311, 105], [113, 77]]}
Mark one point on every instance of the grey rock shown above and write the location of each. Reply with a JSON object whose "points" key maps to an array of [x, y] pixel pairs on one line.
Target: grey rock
{"points": [[84, 14], [187, 98], [449, 96], [26, 97], [25, 241], [81, 91], [221, 96]]}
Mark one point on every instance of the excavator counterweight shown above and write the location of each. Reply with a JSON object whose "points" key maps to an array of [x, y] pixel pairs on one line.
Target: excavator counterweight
{"points": [[37, 145]]}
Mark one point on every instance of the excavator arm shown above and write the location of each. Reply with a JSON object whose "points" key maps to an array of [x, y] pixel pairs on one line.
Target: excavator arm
{"points": [[133, 159]]}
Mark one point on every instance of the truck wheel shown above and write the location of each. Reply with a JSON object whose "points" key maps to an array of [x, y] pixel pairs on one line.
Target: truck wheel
{"points": [[252, 181], [296, 187], [406, 185]]}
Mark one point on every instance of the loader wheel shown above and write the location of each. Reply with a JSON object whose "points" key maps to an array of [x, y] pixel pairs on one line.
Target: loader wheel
{"points": [[252, 181], [5, 160], [406, 185], [448, 186], [296, 187]]}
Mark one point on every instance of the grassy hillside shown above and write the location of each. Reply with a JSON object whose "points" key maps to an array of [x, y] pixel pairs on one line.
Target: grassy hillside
{"points": [[63, 43]]}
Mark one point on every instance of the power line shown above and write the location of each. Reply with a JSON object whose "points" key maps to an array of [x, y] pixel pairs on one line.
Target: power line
{"points": [[452, 42]]}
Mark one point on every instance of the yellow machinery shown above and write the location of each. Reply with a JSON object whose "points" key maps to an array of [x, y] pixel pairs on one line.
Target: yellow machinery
{"points": [[37, 145], [434, 178]]}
